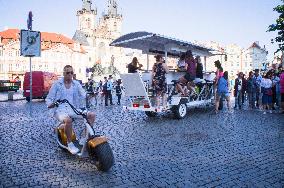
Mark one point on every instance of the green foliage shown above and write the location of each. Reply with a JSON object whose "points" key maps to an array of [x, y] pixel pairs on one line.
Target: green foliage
{"points": [[279, 27]]}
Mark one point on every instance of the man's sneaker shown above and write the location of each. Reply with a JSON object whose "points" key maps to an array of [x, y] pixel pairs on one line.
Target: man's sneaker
{"points": [[72, 149]]}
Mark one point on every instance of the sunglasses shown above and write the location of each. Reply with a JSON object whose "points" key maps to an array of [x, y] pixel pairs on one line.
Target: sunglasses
{"points": [[69, 72]]}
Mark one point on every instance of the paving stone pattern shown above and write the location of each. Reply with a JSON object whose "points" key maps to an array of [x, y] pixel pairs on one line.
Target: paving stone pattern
{"points": [[243, 149]]}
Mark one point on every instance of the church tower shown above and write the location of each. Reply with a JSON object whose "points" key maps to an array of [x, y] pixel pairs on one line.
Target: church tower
{"points": [[86, 23], [113, 20]]}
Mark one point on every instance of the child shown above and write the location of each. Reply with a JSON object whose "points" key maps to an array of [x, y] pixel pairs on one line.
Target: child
{"points": [[118, 90]]}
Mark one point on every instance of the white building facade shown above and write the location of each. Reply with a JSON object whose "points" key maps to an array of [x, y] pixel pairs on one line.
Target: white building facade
{"points": [[56, 52]]}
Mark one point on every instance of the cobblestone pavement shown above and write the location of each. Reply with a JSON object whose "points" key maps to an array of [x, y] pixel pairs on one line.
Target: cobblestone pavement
{"points": [[243, 149]]}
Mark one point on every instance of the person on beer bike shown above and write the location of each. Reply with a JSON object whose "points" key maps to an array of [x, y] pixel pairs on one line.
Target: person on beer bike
{"points": [[188, 78]]}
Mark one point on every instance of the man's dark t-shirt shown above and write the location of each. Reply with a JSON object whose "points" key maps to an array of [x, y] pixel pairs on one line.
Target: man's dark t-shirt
{"points": [[132, 68]]}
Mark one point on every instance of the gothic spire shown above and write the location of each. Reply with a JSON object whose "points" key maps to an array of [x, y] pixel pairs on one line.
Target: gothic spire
{"points": [[112, 8], [87, 5]]}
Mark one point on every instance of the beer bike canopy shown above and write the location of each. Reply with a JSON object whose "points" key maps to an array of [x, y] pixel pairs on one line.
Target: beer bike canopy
{"points": [[159, 44]]}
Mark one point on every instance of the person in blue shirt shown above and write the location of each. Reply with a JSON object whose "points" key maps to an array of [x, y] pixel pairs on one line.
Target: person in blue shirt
{"points": [[223, 91], [109, 87]]}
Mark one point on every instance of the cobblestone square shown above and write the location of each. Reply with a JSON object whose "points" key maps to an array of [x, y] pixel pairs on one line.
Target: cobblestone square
{"points": [[243, 149]]}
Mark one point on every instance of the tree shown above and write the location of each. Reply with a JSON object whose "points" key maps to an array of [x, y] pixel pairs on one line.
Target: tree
{"points": [[278, 26]]}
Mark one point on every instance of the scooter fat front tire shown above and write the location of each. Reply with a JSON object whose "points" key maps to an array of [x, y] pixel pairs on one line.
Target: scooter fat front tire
{"points": [[103, 156]]}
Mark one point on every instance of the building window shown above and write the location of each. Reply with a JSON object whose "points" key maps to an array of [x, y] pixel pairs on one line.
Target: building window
{"points": [[10, 67], [1, 52], [1, 67], [10, 53], [90, 59]]}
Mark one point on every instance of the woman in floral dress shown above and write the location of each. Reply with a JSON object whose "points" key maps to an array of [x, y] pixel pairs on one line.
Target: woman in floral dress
{"points": [[159, 83]]}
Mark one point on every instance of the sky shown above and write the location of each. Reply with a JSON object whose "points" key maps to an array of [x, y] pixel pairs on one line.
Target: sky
{"points": [[238, 22]]}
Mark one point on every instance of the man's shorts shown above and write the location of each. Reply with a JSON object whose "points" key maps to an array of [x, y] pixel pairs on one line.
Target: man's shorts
{"points": [[188, 77], [62, 113]]}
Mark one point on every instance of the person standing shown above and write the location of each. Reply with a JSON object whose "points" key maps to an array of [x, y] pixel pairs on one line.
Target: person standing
{"points": [[282, 90], [223, 90], [257, 78], [159, 71], [238, 90], [251, 88], [266, 84], [109, 88], [104, 91]]}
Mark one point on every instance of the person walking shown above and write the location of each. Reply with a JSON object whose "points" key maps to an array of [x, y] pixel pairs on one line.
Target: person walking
{"points": [[223, 86], [118, 90]]}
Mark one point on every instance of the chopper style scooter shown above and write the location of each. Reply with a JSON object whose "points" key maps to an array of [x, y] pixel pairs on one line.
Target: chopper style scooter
{"points": [[96, 146]]}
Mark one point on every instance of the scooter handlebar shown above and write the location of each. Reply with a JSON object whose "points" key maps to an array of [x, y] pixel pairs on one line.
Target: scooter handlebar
{"points": [[77, 111]]}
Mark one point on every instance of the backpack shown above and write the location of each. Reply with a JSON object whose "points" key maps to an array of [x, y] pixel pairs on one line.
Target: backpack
{"points": [[118, 89], [222, 86]]}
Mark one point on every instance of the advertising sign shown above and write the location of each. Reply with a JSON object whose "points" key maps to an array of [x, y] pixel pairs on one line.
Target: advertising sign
{"points": [[30, 43]]}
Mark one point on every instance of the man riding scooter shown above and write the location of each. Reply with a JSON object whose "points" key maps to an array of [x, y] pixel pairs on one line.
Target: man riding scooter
{"points": [[71, 90]]}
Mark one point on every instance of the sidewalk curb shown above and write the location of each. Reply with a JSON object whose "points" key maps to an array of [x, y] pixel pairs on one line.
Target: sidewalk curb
{"points": [[12, 100]]}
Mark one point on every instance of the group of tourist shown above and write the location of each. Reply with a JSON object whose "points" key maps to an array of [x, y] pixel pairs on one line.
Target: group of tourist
{"points": [[102, 91], [264, 90]]}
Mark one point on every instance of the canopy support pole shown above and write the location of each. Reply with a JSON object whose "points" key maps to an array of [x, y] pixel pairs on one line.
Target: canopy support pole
{"points": [[205, 63], [147, 62]]}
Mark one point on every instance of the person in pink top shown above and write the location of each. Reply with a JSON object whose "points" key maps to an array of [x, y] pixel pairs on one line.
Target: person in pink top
{"points": [[282, 90]]}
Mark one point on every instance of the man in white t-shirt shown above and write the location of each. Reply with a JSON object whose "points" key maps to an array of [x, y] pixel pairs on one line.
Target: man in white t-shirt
{"points": [[67, 88]]}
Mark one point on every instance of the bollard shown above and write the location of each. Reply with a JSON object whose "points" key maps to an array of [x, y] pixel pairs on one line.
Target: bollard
{"points": [[10, 95]]}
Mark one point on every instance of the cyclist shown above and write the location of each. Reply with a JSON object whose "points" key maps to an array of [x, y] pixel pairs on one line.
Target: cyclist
{"points": [[67, 88]]}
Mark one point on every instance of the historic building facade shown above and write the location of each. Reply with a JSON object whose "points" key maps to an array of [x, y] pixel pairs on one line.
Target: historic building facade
{"points": [[235, 59], [56, 51]]}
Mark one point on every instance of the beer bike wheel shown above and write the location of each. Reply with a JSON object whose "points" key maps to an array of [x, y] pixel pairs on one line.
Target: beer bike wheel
{"points": [[180, 110], [103, 156]]}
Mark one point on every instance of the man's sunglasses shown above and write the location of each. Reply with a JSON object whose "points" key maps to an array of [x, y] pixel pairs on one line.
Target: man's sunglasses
{"points": [[69, 72]]}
